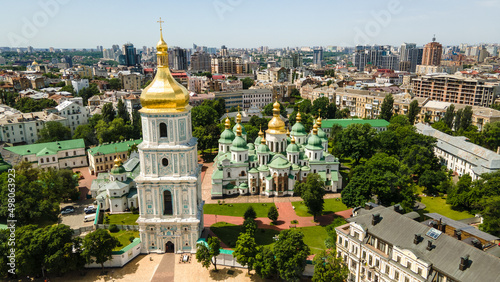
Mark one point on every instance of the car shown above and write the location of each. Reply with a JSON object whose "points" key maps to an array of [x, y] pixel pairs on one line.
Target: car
{"points": [[90, 211], [89, 208], [68, 208], [66, 211]]}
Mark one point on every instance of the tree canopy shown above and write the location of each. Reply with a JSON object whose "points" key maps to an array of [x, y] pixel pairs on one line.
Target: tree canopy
{"points": [[246, 250], [291, 253], [208, 255], [312, 192], [54, 131], [98, 246], [356, 141], [386, 108]]}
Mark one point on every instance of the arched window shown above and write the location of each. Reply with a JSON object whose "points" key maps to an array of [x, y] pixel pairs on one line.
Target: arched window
{"points": [[167, 203], [163, 130]]}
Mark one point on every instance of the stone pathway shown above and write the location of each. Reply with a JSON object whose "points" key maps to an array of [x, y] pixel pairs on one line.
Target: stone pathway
{"points": [[166, 269], [286, 215]]}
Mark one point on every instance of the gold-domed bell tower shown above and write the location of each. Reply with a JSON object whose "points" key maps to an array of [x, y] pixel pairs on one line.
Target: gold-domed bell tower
{"points": [[276, 132], [169, 183]]}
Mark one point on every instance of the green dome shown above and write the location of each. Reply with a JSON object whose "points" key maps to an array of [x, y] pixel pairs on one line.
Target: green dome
{"points": [[263, 149], [322, 134], [298, 129], [243, 131], [118, 170], [257, 141], [251, 146], [239, 144], [314, 143], [227, 136], [292, 148], [244, 185]]}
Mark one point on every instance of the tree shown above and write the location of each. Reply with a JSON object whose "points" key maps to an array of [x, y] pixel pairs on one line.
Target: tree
{"points": [[54, 131], [250, 213], [265, 263], [413, 111], [137, 124], [331, 111], [491, 135], [247, 82], [320, 104], [449, 116], [117, 130], [246, 250], [291, 253], [249, 226], [68, 88], [86, 132], [121, 111], [329, 267], [491, 216], [419, 158], [313, 193], [108, 112], [98, 246], [466, 118], [357, 141], [382, 176], [204, 116], [273, 214], [207, 254], [28, 105], [431, 180], [458, 119], [442, 126], [115, 84], [386, 108]]}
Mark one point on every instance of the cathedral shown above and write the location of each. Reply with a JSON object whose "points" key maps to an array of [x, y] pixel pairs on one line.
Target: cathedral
{"points": [[169, 183], [274, 162]]}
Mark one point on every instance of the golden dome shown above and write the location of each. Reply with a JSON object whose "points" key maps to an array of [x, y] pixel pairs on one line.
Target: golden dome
{"points": [[164, 93], [293, 140], [315, 129], [238, 116], [263, 141], [276, 125], [228, 122], [299, 117], [238, 130], [261, 134], [118, 161], [287, 132]]}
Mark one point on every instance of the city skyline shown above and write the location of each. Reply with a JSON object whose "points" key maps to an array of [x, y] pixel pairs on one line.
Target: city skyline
{"points": [[242, 24]]}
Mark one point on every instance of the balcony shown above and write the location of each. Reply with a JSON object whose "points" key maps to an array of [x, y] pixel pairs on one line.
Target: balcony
{"points": [[368, 106]]}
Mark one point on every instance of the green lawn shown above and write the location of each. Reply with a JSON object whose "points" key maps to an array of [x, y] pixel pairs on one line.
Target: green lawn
{"points": [[439, 205], [122, 219], [123, 236], [331, 205], [228, 233], [237, 209], [314, 237]]}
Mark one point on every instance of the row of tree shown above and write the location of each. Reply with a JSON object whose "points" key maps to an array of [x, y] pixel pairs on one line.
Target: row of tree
{"points": [[393, 160], [53, 250]]}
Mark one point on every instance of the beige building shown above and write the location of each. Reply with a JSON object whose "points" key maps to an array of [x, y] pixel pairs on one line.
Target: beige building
{"points": [[456, 89], [227, 65], [101, 158], [361, 103], [130, 81]]}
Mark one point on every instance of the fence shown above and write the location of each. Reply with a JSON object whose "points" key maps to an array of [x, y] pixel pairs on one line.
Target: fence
{"points": [[79, 231]]}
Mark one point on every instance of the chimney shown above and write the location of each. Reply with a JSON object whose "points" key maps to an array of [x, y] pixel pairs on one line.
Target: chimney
{"points": [[397, 208], [476, 243], [459, 234], [417, 239], [464, 262], [368, 206], [375, 218], [429, 245], [443, 227]]}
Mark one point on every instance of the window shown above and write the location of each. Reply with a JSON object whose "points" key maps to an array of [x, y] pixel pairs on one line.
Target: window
{"points": [[167, 203], [381, 246], [396, 275], [41, 160], [340, 240], [363, 255], [163, 130], [398, 259], [407, 279], [408, 264], [370, 259], [346, 243], [419, 271], [164, 162], [387, 269]]}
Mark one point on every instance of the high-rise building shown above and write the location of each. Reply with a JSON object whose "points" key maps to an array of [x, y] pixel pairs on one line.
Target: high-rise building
{"points": [[223, 51], [403, 51], [432, 53], [177, 58], [129, 55], [390, 61], [318, 56], [200, 61], [227, 65], [414, 59], [169, 184]]}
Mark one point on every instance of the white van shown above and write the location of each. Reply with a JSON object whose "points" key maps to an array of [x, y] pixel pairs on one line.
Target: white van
{"points": [[89, 217]]}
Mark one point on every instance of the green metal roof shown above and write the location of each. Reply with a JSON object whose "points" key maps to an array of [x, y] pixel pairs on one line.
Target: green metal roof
{"points": [[51, 147], [263, 149], [111, 148], [305, 168], [328, 123], [298, 129], [227, 136], [127, 248], [218, 174], [314, 143], [263, 168], [335, 175], [279, 163], [118, 170], [239, 144], [253, 170], [292, 148], [46, 152]]}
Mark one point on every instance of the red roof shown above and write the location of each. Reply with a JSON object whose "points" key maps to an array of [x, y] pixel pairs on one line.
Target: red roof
{"points": [[219, 76], [148, 70], [180, 74]]}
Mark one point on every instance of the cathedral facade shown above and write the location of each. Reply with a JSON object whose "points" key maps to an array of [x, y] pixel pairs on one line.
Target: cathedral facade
{"points": [[169, 183], [274, 162]]}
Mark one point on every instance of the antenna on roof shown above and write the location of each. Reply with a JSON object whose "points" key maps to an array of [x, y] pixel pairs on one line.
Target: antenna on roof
{"points": [[434, 38]]}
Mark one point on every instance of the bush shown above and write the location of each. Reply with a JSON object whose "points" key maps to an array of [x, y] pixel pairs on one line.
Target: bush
{"points": [[273, 214], [113, 228], [250, 213], [134, 210], [294, 221], [131, 239]]}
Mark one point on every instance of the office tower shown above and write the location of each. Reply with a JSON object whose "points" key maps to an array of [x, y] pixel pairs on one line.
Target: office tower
{"points": [[403, 52], [223, 51], [129, 55], [177, 58], [200, 61], [432, 53], [318, 56]]}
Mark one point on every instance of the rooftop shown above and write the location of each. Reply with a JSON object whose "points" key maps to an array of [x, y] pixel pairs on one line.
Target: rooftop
{"points": [[110, 148], [328, 123], [49, 148]]}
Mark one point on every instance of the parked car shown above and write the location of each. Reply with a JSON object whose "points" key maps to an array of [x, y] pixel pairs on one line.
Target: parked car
{"points": [[68, 207], [90, 209], [66, 211], [90, 217]]}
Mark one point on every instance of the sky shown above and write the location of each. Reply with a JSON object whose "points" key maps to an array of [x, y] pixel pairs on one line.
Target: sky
{"points": [[246, 23]]}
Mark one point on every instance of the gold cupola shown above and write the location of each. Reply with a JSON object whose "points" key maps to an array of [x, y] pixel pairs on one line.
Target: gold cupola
{"points": [[228, 123], [164, 93], [276, 125]]}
